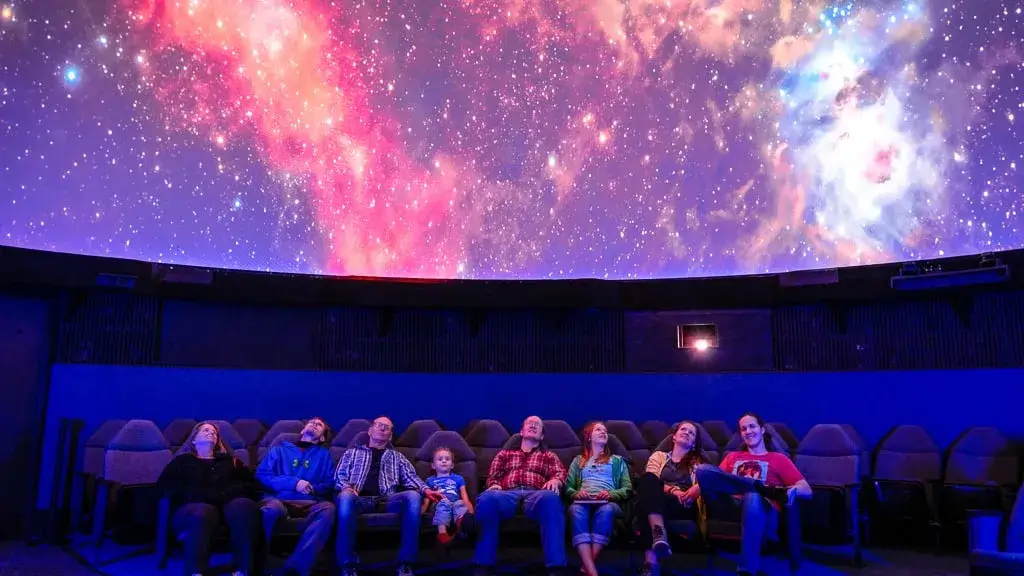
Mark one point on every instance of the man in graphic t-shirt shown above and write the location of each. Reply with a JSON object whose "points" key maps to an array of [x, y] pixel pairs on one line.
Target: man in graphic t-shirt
{"points": [[375, 474], [762, 481]]}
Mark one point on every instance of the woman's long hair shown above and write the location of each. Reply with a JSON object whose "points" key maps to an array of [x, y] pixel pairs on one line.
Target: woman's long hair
{"points": [[766, 438], [696, 454], [219, 447], [588, 432]]}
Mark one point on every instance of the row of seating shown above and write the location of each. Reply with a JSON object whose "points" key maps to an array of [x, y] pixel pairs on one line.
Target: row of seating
{"points": [[981, 455]]}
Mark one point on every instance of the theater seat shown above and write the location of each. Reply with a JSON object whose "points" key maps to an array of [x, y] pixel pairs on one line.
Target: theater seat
{"points": [[866, 461], [278, 428], [786, 434], [559, 437], [780, 445], [83, 489], [234, 441], [830, 462], [177, 431], [996, 541], [629, 435], [251, 431], [134, 459], [982, 473], [485, 439], [901, 499], [465, 460], [719, 431], [711, 454], [345, 435], [654, 431], [418, 432]]}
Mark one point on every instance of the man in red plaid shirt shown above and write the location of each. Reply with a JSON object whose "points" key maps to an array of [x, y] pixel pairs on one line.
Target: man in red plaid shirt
{"points": [[529, 475]]}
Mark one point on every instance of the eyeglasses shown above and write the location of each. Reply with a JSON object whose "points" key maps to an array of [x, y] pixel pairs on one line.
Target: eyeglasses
{"points": [[381, 426]]}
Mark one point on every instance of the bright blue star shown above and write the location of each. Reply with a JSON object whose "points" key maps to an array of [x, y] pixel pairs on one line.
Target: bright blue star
{"points": [[72, 76]]}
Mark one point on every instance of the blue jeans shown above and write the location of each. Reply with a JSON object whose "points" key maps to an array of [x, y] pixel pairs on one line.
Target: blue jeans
{"points": [[405, 504], [541, 506], [316, 530], [593, 523], [447, 512], [759, 518]]}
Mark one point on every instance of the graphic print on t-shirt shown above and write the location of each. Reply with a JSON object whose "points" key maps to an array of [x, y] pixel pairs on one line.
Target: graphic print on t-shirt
{"points": [[756, 469], [450, 486]]}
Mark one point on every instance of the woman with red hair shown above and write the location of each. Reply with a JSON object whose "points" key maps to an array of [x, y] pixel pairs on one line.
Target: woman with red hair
{"points": [[597, 483]]}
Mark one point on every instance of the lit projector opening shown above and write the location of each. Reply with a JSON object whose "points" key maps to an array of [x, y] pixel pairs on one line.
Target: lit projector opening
{"points": [[699, 337]]}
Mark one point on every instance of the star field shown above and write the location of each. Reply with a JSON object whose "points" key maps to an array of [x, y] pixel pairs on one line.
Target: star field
{"points": [[513, 138]]}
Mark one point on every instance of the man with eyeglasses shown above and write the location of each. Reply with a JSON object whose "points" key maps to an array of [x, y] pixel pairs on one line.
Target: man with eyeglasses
{"points": [[375, 474]]}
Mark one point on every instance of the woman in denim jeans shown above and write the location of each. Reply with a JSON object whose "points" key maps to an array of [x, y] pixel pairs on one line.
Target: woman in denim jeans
{"points": [[597, 483]]}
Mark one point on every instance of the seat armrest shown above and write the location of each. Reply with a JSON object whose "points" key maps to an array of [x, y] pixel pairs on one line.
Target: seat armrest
{"points": [[983, 529]]}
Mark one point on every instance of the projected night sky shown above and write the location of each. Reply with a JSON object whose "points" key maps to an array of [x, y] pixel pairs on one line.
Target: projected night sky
{"points": [[513, 138]]}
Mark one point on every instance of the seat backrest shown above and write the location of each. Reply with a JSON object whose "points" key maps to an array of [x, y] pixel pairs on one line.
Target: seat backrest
{"points": [[233, 440], [137, 454], [786, 434], [828, 457], [465, 459], [251, 431], [982, 455], [719, 431], [415, 436], [628, 433], [654, 431], [908, 454], [485, 439], [178, 430], [96, 446], [278, 428], [349, 430], [562, 440], [865, 451]]}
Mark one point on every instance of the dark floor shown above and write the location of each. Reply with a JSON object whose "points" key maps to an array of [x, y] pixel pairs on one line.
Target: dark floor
{"points": [[17, 559]]}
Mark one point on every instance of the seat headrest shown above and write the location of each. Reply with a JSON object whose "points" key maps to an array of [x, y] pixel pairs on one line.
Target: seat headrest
{"points": [[447, 439], [982, 441], [292, 437], [178, 430], [627, 433], [828, 440], [228, 434], [908, 439], [417, 433], [105, 433], [349, 431], [138, 436], [281, 427], [487, 434], [559, 435]]}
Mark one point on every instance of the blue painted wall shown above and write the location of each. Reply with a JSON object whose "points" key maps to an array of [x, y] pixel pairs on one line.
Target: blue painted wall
{"points": [[944, 402]]}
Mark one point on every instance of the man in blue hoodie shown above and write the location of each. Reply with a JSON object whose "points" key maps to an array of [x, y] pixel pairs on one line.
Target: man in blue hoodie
{"points": [[299, 478]]}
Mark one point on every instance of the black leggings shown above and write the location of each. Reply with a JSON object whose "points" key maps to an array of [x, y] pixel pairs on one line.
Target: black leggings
{"points": [[196, 523], [651, 499]]}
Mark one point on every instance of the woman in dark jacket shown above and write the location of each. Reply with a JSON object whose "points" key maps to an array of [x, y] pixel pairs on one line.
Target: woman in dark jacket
{"points": [[207, 485]]}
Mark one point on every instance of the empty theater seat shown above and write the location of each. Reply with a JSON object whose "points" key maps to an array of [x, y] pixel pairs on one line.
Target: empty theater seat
{"points": [[982, 471], [719, 431], [866, 461], [633, 441], [996, 541], [135, 457], [830, 462], [278, 428], [177, 431], [83, 490], [654, 431], [901, 500], [418, 432], [485, 439]]}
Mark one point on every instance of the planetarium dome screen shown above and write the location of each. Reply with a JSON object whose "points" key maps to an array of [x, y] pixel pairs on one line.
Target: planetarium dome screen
{"points": [[514, 139]]}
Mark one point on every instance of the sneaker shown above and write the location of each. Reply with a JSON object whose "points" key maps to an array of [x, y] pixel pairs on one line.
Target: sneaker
{"points": [[444, 538], [349, 572], [403, 570], [648, 570], [660, 547]]}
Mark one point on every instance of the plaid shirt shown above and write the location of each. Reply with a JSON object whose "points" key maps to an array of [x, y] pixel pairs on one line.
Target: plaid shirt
{"points": [[395, 471], [515, 468]]}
